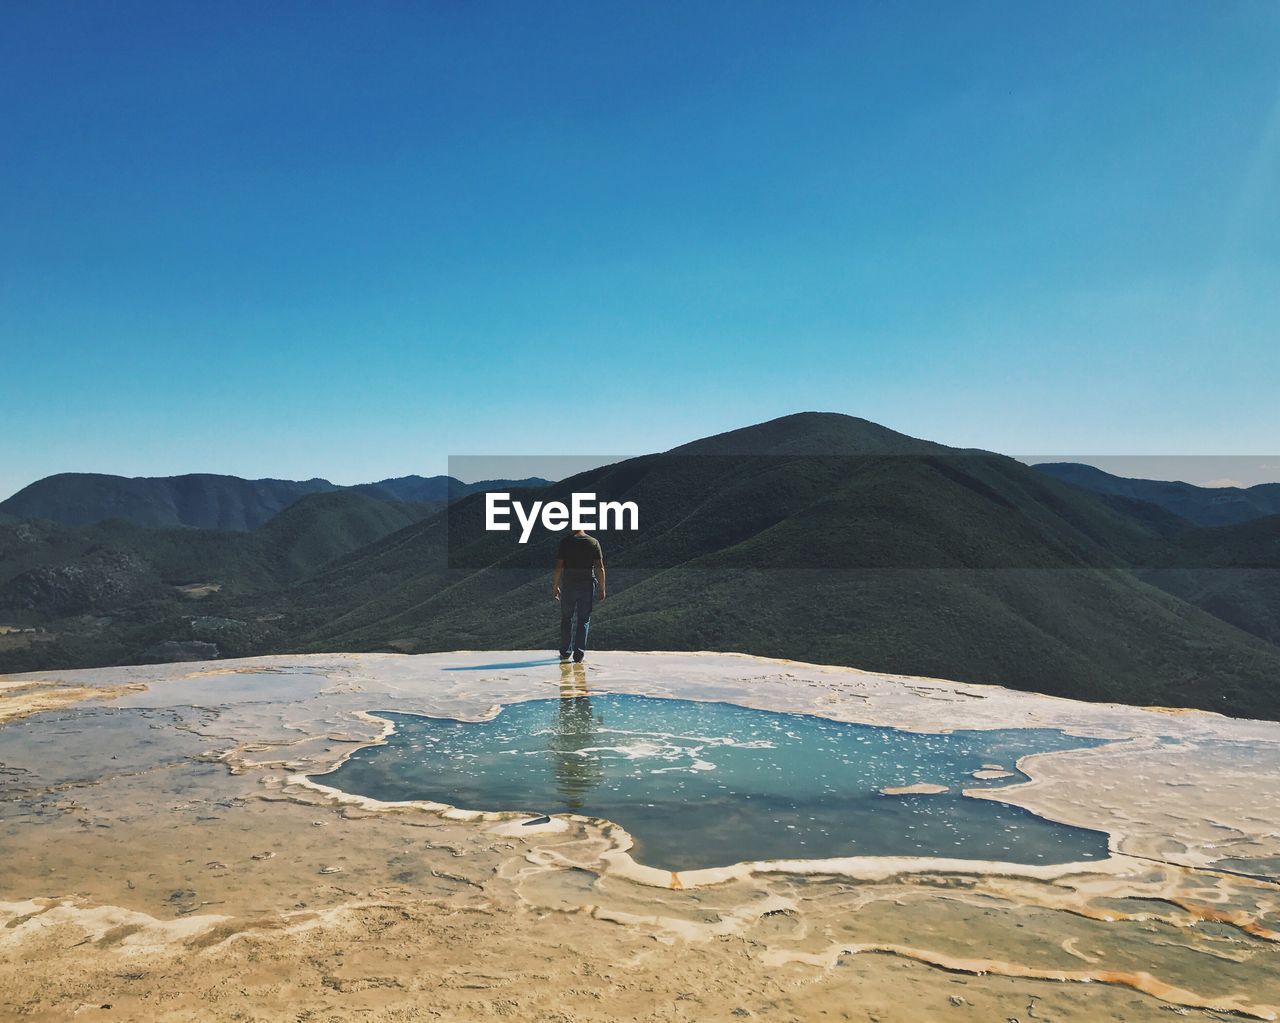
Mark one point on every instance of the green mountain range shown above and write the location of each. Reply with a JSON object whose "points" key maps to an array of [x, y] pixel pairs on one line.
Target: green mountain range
{"points": [[817, 536], [205, 500], [1204, 506], [117, 592]]}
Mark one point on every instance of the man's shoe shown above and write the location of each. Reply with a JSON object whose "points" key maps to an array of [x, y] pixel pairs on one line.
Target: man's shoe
{"points": [[564, 656], [577, 658]]}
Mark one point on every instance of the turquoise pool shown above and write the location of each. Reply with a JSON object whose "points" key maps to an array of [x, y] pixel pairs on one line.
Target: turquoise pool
{"points": [[701, 784]]}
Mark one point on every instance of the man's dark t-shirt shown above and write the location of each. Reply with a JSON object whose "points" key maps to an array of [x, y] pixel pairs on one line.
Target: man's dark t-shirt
{"points": [[579, 554]]}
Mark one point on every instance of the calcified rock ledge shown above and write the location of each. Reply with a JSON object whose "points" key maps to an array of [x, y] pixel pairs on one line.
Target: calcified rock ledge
{"points": [[165, 854]]}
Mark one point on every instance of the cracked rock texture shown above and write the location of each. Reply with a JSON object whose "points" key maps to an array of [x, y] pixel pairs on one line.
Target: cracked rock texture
{"points": [[163, 856]]}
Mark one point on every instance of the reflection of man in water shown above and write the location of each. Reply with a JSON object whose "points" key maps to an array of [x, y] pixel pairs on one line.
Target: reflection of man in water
{"points": [[580, 562], [573, 732]]}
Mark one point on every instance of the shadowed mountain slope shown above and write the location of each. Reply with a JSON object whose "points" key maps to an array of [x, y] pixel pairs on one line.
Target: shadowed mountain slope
{"points": [[204, 500], [818, 537], [438, 488], [811, 433], [116, 592], [207, 501], [888, 553], [1202, 506]]}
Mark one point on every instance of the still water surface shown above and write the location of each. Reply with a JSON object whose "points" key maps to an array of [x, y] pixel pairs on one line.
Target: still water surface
{"points": [[702, 784]]}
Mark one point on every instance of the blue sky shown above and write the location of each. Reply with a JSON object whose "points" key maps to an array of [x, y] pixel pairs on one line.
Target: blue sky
{"points": [[350, 240]]}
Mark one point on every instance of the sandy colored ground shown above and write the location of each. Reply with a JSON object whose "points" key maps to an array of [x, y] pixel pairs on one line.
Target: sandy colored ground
{"points": [[163, 857]]}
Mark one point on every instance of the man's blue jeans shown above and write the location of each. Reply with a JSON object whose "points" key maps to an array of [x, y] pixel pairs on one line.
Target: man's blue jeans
{"points": [[576, 596]]}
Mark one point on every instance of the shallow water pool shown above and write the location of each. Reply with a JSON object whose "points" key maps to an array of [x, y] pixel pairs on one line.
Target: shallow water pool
{"points": [[701, 784]]}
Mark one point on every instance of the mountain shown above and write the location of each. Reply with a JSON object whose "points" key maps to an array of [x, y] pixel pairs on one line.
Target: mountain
{"points": [[199, 499], [116, 592], [203, 500], [321, 528], [816, 536], [830, 539], [1233, 572], [439, 488], [1203, 506], [811, 433], [53, 569]]}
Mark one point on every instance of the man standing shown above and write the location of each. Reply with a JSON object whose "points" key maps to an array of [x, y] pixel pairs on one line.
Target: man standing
{"points": [[580, 562]]}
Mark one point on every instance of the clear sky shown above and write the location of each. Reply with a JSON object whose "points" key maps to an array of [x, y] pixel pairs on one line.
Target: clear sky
{"points": [[349, 240]]}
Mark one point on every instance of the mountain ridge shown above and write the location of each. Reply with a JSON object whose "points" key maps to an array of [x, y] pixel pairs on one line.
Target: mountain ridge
{"points": [[206, 500], [892, 554], [914, 558], [1202, 506], [810, 433]]}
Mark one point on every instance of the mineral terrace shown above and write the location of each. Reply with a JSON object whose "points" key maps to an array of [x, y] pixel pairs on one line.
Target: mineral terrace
{"points": [[164, 856]]}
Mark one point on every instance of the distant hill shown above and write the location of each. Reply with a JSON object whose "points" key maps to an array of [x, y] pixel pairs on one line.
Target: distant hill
{"points": [[811, 433], [891, 554], [199, 499], [1203, 506], [116, 592], [206, 501], [54, 569], [816, 536], [440, 488], [320, 528], [1233, 572]]}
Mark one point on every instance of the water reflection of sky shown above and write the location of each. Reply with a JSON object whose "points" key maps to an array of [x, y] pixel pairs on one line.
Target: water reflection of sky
{"points": [[705, 784]]}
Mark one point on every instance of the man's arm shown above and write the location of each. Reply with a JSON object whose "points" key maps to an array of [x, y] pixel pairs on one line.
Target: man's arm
{"points": [[555, 578], [599, 567]]}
